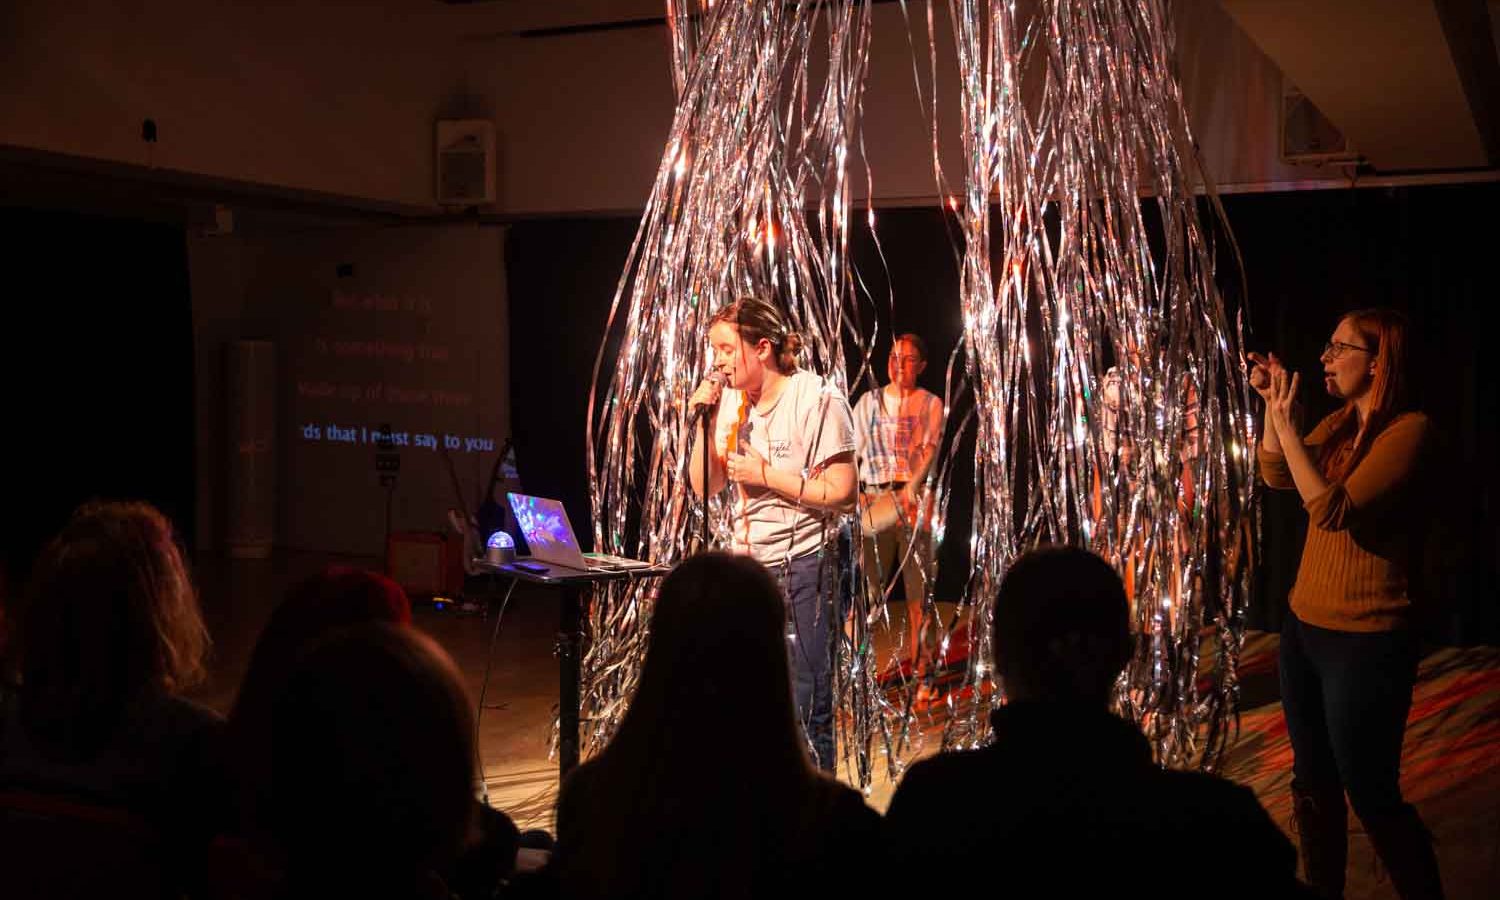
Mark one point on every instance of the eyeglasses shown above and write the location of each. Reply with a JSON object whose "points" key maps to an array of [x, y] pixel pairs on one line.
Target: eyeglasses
{"points": [[1335, 349]]}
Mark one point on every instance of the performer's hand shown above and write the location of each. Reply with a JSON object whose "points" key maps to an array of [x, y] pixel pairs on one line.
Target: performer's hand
{"points": [[911, 502], [747, 467], [1263, 369], [1281, 403], [708, 393]]}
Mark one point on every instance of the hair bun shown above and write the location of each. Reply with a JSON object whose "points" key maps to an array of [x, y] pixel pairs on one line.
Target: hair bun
{"points": [[793, 344]]}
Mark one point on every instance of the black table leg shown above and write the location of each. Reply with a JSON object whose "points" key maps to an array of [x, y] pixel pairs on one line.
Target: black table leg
{"points": [[569, 646]]}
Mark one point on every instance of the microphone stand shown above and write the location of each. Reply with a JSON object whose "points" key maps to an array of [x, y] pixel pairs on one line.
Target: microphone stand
{"points": [[707, 448]]}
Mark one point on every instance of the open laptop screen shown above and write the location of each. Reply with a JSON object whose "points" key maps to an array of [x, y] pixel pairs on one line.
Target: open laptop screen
{"points": [[547, 531]]}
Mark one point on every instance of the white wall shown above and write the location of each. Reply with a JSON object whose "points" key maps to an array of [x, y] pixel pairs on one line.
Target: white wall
{"points": [[434, 291], [338, 97], [1233, 95], [341, 97], [584, 117]]}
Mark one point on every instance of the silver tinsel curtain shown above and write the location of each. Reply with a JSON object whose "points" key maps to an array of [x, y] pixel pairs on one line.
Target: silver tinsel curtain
{"points": [[752, 197], [1107, 372], [1107, 387]]}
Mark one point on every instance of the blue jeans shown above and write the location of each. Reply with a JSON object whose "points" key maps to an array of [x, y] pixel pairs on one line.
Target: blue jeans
{"points": [[1346, 696], [817, 589]]}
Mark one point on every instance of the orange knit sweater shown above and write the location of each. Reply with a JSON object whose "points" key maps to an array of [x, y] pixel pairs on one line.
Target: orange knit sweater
{"points": [[1362, 531]]}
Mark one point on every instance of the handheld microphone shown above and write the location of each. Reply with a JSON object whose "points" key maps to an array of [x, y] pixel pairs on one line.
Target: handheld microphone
{"points": [[717, 377]]}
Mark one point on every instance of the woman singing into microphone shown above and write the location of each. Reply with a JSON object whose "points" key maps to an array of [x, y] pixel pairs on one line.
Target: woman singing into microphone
{"points": [[1348, 649], [784, 440]]}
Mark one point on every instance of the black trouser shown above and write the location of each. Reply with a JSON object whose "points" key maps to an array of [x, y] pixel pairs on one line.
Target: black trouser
{"points": [[1346, 696]]}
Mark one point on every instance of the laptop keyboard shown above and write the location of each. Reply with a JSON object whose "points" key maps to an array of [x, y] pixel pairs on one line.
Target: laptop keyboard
{"points": [[608, 561]]}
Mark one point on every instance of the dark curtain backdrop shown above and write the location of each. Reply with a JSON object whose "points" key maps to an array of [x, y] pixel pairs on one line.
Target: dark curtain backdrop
{"points": [[1428, 251], [561, 276], [1309, 256], [98, 349]]}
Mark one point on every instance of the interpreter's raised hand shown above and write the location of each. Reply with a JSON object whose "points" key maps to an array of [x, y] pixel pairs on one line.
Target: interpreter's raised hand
{"points": [[1281, 404], [1263, 368]]}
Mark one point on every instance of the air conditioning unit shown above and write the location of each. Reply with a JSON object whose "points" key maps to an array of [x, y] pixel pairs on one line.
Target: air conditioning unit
{"points": [[1307, 136], [465, 162]]}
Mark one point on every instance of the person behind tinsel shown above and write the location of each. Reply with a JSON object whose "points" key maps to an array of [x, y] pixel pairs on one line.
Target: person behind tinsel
{"points": [[898, 428], [1121, 430]]}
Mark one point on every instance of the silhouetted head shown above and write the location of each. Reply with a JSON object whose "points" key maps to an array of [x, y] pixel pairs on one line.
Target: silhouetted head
{"points": [[331, 600], [718, 652], [708, 768], [371, 758], [1061, 629], [337, 597]]}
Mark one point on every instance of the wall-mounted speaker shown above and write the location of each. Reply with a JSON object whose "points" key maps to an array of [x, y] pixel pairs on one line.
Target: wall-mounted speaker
{"points": [[465, 162]]}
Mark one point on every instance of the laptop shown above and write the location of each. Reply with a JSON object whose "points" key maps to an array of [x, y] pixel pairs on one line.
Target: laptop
{"points": [[549, 535]]}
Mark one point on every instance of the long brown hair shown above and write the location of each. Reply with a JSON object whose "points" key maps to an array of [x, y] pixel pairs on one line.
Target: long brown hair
{"points": [[1385, 331], [110, 616], [708, 760], [759, 321]]}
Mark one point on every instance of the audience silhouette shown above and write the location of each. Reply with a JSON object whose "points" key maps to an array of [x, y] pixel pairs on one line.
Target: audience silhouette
{"points": [[707, 789], [348, 764], [110, 774], [1067, 796], [371, 767]]}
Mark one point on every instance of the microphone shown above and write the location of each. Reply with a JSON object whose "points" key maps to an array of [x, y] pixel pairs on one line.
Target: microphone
{"points": [[717, 377]]}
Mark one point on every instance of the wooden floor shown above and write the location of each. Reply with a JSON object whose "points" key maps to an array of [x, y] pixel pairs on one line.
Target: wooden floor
{"points": [[1450, 766]]}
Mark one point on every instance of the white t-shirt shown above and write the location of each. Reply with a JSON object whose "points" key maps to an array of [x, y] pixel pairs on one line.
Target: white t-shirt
{"points": [[891, 439], [808, 426]]}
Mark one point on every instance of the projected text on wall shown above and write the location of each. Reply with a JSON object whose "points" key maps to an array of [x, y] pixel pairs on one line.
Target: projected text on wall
{"points": [[381, 389]]}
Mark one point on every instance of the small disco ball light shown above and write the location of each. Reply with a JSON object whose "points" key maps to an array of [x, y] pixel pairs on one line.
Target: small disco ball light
{"points": [[500, 549]]}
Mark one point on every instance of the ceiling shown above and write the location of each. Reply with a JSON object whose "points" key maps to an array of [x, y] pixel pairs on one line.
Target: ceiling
{"points": [[1414, 85]]}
